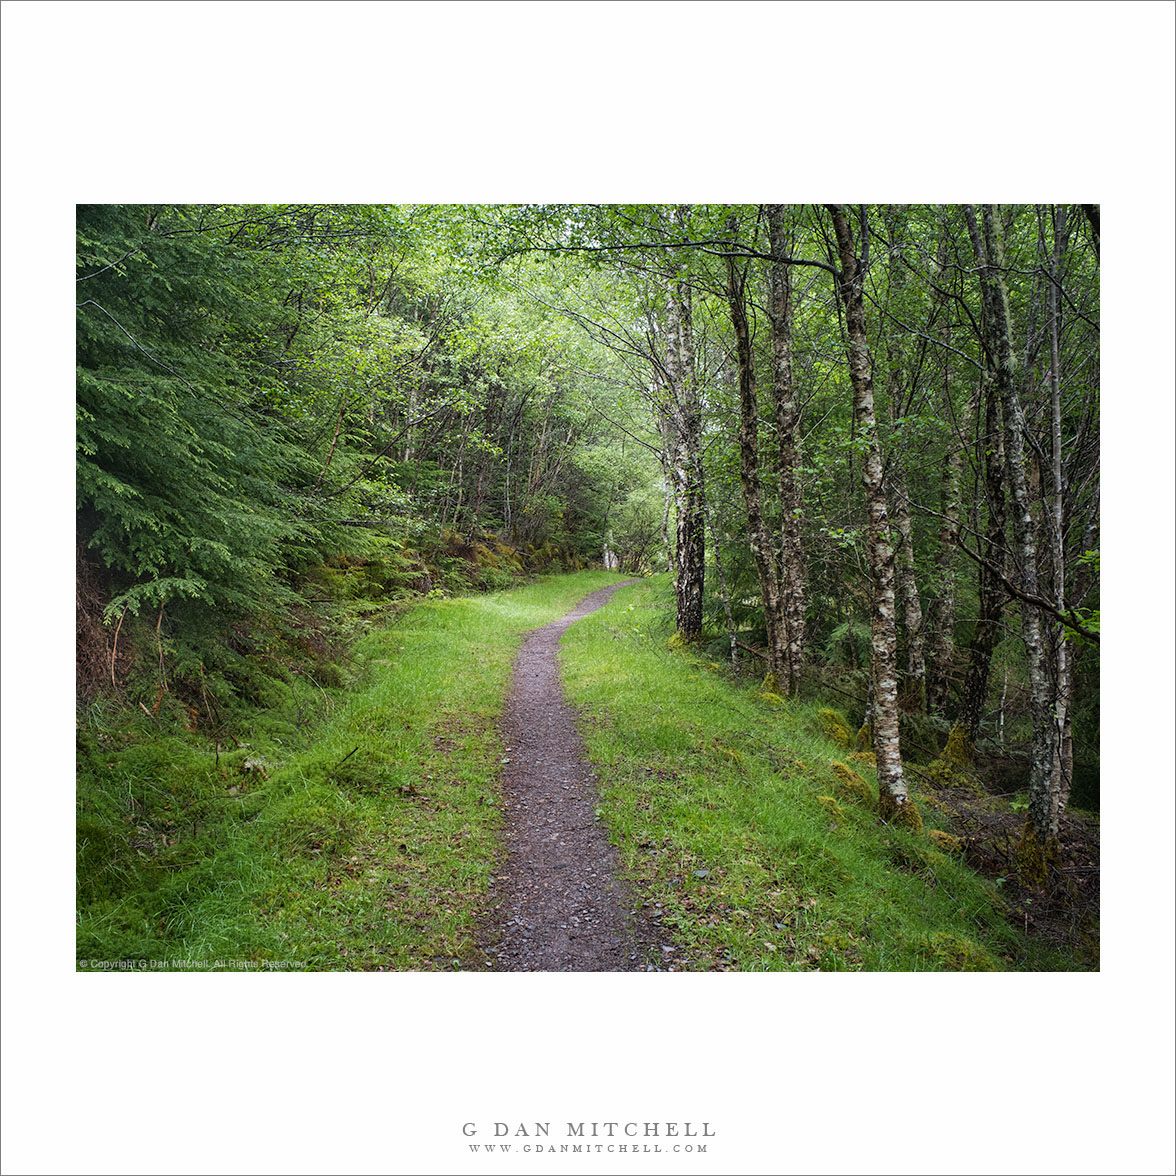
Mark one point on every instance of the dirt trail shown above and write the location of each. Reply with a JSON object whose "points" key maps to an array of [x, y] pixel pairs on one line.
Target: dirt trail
{"points": [[560, 906]]}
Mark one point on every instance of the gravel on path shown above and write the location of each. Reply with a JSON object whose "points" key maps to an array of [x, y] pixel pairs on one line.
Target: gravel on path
{"points": [[560, 905]]}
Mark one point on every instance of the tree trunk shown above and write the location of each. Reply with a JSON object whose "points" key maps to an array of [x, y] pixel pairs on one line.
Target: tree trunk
{"points": [[724, 594], [792, 570], [990, 443], [914, 692], [663, 426], [894, 803], [1093, 218], [761, 547], [1062, 669], [686, 465], [941, 616], [1039, 845]]}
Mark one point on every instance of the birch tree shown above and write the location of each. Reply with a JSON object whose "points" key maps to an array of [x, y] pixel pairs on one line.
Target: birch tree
{"points": [[915, 693], [1039, 841], [685, 458], [894, 801]]}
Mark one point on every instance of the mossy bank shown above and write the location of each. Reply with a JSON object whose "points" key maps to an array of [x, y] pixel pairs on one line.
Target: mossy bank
{"points": [[349, 827], [754, 844]]}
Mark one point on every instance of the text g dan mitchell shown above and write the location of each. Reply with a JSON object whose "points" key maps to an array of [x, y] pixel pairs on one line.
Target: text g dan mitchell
{"points": [[603, 1130]]}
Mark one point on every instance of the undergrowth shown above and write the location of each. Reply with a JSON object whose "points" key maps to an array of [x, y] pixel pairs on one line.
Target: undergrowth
{"points": [[752, 833]]}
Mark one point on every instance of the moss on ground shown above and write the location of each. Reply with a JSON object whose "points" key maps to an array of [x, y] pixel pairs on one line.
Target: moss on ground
{"points": [[852, 785], [834, 726], [946, 841]]}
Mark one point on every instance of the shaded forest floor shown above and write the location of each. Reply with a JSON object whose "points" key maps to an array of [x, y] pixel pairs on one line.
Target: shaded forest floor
{"points": [[1066, 912]]}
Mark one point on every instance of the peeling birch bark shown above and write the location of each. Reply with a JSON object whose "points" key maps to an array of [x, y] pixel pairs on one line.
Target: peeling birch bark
{"points": [[894, 802], [685, 417], [914, 693]]}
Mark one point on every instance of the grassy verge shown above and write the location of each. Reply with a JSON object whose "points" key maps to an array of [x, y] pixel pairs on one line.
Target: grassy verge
{"points": [[749, 847], [361, 837]]}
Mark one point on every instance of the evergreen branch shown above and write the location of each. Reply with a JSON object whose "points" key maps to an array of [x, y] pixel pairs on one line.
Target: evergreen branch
{"points": [[87, 277], [91, 302]]}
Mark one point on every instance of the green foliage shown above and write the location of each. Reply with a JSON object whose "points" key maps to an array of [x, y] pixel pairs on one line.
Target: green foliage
{"points": [[186, 480], [285, 406], [848, 645], [293, 419]]}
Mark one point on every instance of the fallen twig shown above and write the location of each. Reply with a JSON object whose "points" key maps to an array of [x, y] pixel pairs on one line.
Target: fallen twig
{"points": [[114, 649], [345, 758]]}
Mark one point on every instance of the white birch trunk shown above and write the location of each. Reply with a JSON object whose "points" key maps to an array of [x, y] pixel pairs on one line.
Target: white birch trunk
{"points": [[893, 800]]}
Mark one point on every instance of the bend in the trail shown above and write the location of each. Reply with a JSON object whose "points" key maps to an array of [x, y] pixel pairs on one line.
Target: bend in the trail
{"points": [[561, 905]]}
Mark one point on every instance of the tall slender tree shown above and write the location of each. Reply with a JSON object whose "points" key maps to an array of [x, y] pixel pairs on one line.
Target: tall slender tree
{"points": [[761, 546], [685, 414], [792, 577], [894, 801], [1039, 842]]}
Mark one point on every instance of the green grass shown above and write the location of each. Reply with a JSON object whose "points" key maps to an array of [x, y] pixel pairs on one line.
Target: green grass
{"points": [[343, 829], [357, 827], [732, 824]]}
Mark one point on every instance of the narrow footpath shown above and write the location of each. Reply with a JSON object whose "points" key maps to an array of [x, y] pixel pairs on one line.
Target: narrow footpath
{"points": [[560, 904]]}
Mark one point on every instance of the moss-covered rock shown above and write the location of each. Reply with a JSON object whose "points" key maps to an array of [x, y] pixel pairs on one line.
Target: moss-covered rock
{"points": [[864, 739], [949, 773], [833, 726], [830, 805], [1035, 857], [946, 841], [851, 784], [959, 751], [954, 953], [507, 555], [770, 698], [895, 812], [864, 757], [770, 684], [483, 556]]}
